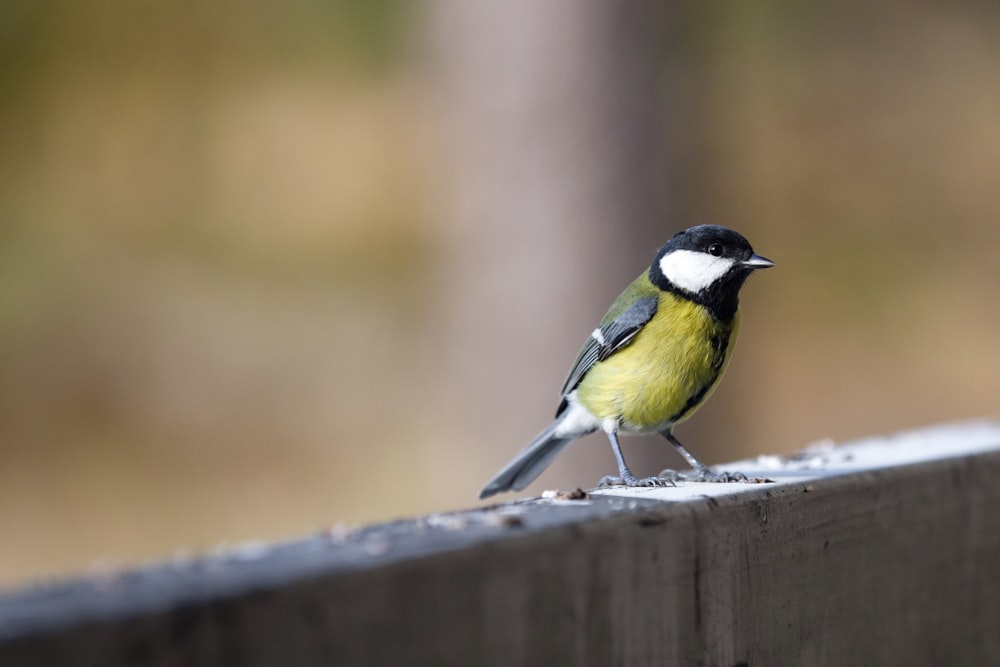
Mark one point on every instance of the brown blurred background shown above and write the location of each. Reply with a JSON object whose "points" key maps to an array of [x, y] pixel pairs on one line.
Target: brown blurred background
{"points": [[265, 268]]}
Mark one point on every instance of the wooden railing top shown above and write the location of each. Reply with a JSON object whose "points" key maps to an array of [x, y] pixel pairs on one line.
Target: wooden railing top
{"points": [[698, 573]]}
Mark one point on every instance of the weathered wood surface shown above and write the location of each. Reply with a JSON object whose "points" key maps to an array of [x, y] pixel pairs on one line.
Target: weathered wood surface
{"points": [[884, 552]]}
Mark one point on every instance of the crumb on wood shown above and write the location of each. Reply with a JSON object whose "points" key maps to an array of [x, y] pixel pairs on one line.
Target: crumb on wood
{"points": [[760, 480], [575, 494]]}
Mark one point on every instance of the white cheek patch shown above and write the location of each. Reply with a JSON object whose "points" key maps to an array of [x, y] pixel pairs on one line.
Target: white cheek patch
{"points": [[694, 271]]}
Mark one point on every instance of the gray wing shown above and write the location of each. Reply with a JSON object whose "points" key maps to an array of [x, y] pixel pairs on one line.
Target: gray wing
{"points": [[608, 339]]}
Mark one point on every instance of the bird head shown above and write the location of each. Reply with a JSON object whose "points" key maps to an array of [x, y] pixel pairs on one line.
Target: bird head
{"points": [[707, 264]]}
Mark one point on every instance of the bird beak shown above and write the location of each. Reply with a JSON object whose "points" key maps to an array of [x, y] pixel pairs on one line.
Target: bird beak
{"points": [[757, 262]]}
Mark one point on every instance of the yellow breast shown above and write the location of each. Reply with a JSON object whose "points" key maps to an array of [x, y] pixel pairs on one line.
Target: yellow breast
{"points": [[668, 370]]}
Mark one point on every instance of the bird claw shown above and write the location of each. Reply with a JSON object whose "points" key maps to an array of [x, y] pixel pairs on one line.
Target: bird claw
{"points": [[670, 477], [708, 475], [633, 481]]}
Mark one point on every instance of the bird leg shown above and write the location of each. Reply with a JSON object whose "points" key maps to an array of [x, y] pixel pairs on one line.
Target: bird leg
{"points": [[702, 473], [625, 476]]}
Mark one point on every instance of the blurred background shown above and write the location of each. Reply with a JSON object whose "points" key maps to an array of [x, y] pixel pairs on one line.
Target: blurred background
{"points": [[268, 268]]}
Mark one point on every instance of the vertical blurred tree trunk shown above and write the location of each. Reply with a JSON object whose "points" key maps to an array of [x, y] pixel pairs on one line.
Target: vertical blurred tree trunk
{"points": [[556, 186]]}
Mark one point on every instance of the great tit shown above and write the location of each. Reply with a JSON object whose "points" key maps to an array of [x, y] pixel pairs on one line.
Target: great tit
{"points": [[656, 357]]}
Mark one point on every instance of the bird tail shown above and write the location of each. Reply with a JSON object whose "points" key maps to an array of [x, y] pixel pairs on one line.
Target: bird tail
{"points": [[528, 464]]}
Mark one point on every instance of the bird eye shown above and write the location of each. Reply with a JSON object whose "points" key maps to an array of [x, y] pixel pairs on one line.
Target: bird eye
{"points": [[715, 249]]}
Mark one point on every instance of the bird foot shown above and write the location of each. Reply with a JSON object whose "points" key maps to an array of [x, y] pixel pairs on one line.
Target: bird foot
{"points": [[706, 474], [631, 480]]}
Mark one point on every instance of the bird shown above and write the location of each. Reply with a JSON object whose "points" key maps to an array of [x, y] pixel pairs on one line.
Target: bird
{"points": [[655, 358]]}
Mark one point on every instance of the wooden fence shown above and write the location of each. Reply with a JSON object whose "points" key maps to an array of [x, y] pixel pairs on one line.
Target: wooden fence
{"points": [[881, 552]]}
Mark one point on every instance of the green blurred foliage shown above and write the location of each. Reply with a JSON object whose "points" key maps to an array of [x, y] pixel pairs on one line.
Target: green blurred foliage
{"points": [[206, 210]]}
